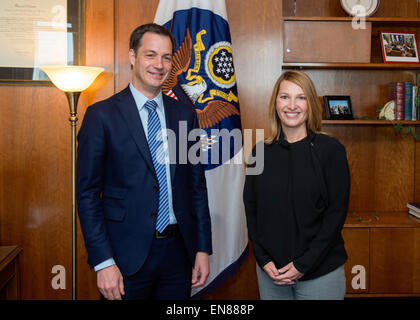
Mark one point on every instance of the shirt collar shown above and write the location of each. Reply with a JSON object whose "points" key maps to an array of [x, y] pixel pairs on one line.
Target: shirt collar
{"points": [[141, 99]]}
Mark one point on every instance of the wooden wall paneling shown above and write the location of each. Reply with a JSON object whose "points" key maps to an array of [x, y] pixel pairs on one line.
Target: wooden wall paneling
{"points": [[35, 178], [416, 196], [288, 8], [99, 49], [256, 28], [99, 52], [394, 260], [242, 285], [319, 8], [377, 156], [356, 241], [129, 15], [35, 168], [328, 42], [402, 8], [416, 262], [361, 150], [394, 169]]}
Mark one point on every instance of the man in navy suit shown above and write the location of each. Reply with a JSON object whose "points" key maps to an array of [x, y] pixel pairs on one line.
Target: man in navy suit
{"points": [[123, 192]]}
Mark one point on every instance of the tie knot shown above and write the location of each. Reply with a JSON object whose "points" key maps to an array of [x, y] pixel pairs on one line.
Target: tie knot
{"points": [[151, 105]]}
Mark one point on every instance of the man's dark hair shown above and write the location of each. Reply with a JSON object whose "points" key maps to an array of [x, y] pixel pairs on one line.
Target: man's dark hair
{"points": [[137, 34]]}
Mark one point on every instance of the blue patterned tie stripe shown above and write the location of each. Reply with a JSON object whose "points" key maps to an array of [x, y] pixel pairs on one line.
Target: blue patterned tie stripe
{"points": [[154, 139]]}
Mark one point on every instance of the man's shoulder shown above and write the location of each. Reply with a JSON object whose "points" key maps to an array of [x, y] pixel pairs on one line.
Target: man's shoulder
{"points": [[109, 102]]}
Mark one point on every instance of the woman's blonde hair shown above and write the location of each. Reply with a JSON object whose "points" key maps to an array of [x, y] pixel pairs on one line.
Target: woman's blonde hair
{"points": [[314, 121]]}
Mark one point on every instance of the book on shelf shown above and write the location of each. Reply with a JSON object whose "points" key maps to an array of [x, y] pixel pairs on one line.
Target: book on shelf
{"points": [[408, 100], [415, 206], [396, 93], [406, 96], [414, 213], [415, 103], [416, 113]]}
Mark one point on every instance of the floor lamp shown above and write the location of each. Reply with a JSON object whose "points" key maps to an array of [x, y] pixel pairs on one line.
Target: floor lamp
{"points": [[72, 80]]}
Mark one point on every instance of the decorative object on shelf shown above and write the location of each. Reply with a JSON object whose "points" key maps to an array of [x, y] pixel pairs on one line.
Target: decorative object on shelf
{"points": [[338, 108], [387, 112], [414, 209], [360, 8], [72, 80], [360, 219], [399, 47]]}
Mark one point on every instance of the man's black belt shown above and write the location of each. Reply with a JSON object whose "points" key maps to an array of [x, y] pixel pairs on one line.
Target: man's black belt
{"points": [[171, 230]]}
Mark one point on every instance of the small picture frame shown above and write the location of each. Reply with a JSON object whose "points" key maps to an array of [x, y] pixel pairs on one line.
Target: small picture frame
{"points": [[399, 47], [338, 108]]}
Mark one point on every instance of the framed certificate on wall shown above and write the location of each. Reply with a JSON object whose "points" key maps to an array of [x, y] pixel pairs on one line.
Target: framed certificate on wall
{"points": [[35, 33]]}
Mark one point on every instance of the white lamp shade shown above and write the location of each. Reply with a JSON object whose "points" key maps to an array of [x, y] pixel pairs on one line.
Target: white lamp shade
{"points": [[72, 78]]}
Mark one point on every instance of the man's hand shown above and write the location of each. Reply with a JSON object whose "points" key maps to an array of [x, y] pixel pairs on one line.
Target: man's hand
{"points": [[201, 269], [110, 282]]}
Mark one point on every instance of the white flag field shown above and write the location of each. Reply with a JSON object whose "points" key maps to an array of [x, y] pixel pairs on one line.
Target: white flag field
{"points": [[204, 77]]}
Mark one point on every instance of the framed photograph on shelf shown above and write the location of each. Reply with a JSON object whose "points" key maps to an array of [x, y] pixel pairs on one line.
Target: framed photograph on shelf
{"points": [[399, 47], [36, 33], [338, 108]]}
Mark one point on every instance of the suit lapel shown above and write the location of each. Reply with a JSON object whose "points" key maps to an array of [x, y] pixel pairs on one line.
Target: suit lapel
{"points": [[127, 106], [172, 123]]}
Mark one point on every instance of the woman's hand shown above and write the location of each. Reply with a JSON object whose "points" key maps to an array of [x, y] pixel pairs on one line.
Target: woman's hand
{"points": [[288, 275], [275, 274]]}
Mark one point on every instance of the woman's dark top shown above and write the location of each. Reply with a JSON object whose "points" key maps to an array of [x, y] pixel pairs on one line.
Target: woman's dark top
{"points": [[296, 208]]}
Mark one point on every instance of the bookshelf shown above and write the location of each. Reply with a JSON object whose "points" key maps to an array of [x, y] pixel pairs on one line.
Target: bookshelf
{"points": [[384, 166], [370, 122], [361, 66], [401, 21]]}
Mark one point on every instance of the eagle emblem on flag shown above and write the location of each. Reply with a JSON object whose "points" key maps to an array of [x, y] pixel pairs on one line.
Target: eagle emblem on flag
{"points": [[219, 69]]}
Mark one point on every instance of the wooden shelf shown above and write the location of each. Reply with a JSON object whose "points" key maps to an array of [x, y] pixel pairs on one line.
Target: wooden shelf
{"points": [[362, 66], [399, 219], [406, 22], [376, 21], [370, 122]]}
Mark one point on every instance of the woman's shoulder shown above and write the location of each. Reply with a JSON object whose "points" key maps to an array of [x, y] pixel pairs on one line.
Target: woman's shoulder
{"points": [[328, 144], [327, 141]]}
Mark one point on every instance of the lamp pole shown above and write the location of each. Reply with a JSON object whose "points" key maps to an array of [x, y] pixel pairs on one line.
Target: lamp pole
{"points": [[73, 98], [72, 80]]}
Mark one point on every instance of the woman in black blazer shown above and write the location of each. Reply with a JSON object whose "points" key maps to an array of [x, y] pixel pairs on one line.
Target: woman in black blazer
{"points": [[297, 206]]}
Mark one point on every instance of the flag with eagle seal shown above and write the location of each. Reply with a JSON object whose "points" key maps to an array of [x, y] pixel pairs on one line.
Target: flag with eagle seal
{"points": [[203, 76]]}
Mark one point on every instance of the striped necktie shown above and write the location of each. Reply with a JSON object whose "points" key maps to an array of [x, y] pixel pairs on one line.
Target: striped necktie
{"points": [[154, 139]]}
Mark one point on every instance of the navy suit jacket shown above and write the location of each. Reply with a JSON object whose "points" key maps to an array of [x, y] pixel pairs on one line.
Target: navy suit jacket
{"points": [[117, 191]]}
